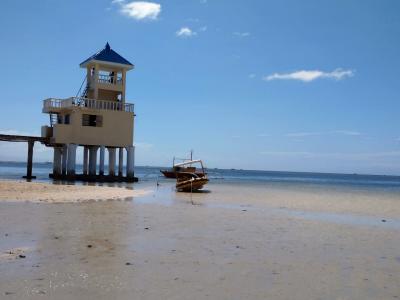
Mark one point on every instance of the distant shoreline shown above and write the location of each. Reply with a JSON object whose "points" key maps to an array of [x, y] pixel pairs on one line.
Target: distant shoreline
{"points": [[48, 163]]}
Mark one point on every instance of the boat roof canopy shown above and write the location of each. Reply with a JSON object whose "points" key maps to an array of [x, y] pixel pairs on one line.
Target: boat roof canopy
{"points": [[188, 163]]}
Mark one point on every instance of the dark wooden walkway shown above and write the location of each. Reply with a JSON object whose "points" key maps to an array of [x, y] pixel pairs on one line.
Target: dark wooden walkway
{"points": [[31, 142]]}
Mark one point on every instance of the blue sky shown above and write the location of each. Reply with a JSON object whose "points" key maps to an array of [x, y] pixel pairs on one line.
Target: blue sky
{"points": [[274, 85]]}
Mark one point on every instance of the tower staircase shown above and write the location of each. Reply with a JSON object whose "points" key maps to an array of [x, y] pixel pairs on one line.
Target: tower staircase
{"points": [[82, 92]]}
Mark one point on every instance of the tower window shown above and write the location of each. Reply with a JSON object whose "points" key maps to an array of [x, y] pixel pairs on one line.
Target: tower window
{"points": [[92, 120]]}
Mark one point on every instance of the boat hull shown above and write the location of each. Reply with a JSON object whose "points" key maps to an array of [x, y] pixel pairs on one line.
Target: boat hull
{"points": [[191, 185], [168, 174], [172, 174]]}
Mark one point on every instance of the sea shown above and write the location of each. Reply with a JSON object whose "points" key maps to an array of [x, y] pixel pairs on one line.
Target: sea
{"points": [[150, 175]]}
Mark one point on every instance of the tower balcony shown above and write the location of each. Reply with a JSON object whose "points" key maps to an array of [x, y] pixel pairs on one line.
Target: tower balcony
{"points": [[108, 82], [54, 105]]}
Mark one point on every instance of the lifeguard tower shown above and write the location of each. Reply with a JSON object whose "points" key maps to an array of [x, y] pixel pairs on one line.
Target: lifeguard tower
{"points": [[97, 118]]}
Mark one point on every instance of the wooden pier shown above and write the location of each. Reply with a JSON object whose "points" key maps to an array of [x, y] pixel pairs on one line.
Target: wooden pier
{"points": [[64, 175], [31, 142]]}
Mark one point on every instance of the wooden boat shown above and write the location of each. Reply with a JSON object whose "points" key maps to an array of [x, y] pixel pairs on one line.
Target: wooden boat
{"points": [[176, 167], [171, 173], [190, 181]]}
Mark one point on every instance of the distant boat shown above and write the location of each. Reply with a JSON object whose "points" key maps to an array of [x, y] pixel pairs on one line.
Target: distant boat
{"points": [[189, 181], [177, 167]]}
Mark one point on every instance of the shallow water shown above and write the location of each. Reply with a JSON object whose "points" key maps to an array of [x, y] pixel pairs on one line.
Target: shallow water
{"points": [[12, 170]]}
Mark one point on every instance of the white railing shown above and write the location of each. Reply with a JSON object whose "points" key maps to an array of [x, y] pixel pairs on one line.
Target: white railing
{"points": [[52, 103]]}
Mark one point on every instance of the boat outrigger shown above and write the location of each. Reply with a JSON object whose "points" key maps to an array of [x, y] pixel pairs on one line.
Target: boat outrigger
{"points": [[190, 181]]}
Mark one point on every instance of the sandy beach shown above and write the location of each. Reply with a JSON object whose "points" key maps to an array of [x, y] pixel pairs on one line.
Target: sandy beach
{"points": [[59, 193], [234, 242]]}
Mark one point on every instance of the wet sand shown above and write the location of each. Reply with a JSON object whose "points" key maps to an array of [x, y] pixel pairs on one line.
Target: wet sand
{"points": [[236, 242]]}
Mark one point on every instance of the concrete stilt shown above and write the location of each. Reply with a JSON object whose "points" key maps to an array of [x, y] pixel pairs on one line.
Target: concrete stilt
{"points": [[101, 168], [85, 160], [130, 163], [29, 161], [71, 162], [64, 159], [120, 161], [111, 161], [57, 161], [93, 159]]}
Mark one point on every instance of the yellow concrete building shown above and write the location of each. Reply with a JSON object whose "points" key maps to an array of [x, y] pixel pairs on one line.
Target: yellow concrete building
{"points": [[97, 118]]}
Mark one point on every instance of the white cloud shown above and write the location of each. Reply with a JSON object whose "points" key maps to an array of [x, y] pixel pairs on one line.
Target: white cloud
{"points": [[241, 34], [194, 20], [337, 155], [347, 132], [310, 75], [117, 1], [185, 32], [144, 145], [139, 10], [303, 134], [19, 132], [334, 132]]}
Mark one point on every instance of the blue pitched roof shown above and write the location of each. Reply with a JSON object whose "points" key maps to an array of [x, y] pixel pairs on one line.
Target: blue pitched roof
{"points": [[109, 55]]}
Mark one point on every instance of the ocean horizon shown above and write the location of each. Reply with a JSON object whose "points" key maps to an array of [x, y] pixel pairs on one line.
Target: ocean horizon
{"points": [[15, 170]]}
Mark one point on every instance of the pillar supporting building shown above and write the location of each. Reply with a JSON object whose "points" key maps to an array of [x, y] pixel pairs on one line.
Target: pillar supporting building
{"points": [[130, 161], [101, 166], [71, 160], [120, 162], [57, 161], [93, 160], [111, 161], [85, 165]]}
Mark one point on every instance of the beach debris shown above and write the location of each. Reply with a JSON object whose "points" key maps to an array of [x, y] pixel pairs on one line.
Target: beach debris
{"points": [[383, 220], [89, 246], [147, 228], [21, 256], [128, 264]]}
